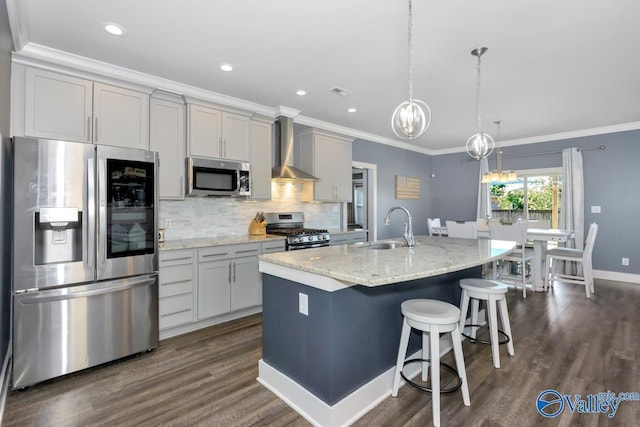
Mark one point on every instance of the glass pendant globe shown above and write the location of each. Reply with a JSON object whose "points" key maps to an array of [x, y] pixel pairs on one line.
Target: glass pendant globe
{"points": [[411, 119], [479, 145]]}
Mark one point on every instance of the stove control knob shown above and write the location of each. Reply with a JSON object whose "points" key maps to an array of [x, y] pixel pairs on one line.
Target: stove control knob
{"points": [[312, 238]]}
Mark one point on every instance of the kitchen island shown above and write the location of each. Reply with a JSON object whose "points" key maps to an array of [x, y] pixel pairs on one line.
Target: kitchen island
{"points": [[332, 320]]}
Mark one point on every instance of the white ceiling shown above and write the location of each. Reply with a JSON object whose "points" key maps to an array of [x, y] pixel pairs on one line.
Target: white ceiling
{"points": [[553, 67]]}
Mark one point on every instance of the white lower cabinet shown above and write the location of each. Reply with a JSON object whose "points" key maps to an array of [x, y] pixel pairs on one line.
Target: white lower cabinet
{"points": [[245, 285], [205, 286], [228, 279], [214, 288], [176, 288]]}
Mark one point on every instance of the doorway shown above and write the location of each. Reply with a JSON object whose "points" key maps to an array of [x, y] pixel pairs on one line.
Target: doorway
{"points": [[361, 211]]}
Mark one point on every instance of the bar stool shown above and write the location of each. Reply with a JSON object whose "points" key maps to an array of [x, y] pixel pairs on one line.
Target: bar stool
{"points": [[492, 292], [432, 317]]}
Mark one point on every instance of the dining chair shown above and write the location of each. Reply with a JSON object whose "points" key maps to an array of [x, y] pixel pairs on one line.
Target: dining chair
{"points": [[431, 224], [584, 275], [465, 230], [522, 255]]}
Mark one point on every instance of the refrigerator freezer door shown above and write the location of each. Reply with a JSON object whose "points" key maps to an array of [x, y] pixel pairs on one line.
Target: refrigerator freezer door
{"points": [[127, 212], [53, 214], [59, 331]]}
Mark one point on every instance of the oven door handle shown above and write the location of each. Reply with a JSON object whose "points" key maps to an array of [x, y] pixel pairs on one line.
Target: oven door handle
{"points": [[315, 245]]}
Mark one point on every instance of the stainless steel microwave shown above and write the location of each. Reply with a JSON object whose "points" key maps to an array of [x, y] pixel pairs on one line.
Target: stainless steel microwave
{"points": [[215, 177]]}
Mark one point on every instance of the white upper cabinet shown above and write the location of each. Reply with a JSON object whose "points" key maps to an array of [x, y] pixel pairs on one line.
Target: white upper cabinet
{"points": [[217, 133], [327, 156], [58, 106], [168, 138], [260, 158], [205, 134], [121, 117]]}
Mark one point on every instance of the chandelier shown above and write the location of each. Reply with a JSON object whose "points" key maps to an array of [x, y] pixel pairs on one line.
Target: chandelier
{"points": [[412, 118], [498, 175], [480, 144]]}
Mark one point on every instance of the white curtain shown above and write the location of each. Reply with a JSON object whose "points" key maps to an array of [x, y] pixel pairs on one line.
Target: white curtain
{"points": [[484, 198], [572, 210]]}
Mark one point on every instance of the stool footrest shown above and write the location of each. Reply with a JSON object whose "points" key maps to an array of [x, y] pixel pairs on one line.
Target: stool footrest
{"points": [[480, 341], [426, 389]]}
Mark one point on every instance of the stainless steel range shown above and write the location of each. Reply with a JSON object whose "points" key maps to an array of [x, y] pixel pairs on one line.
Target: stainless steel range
{"points": [[291, 225]]}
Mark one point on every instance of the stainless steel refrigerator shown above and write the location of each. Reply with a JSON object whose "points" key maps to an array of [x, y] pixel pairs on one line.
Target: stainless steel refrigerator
{"points": [[85, 256]]}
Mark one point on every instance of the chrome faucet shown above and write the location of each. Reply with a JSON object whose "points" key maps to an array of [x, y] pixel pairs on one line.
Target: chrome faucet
{"points": [[408, 227]]}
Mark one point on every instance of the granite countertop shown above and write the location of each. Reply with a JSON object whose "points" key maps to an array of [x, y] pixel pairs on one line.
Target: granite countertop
{"points": [[215, 241], [355, 264]]}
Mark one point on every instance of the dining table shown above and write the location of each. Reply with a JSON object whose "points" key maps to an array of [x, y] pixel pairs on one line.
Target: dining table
{"points": [[540, 238]]}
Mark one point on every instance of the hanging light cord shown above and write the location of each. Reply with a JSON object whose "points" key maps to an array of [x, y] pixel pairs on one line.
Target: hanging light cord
{"points": [[499, 155], [478, 106], [410, 53]]}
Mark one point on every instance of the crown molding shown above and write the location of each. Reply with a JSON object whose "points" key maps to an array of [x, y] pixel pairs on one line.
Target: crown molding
{"points": [[622, 127], [319, 124], [16, 10], [281, 110], [37, 55]]}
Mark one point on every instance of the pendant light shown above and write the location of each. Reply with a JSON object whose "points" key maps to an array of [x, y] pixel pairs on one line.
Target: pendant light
{"points": [[412, 118], [480, 144], [497, 175]]}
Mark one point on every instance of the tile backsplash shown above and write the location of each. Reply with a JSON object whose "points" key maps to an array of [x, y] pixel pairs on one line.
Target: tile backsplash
{"points": [[197, 217]]}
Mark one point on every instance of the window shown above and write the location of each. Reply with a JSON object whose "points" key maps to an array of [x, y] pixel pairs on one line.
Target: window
{"points": [[535, 195]]}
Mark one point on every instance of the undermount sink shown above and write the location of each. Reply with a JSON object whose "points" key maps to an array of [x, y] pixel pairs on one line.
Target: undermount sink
{"points": [[384, 245]]}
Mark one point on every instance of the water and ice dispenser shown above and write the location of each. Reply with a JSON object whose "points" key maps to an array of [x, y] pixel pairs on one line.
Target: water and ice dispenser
{"points": [[58, 235]]}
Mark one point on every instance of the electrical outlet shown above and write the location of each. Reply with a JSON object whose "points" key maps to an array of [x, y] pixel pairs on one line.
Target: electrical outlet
{"points": [[625, 261], [167, 223], [303, 303], [335, 208], [596, 209]]}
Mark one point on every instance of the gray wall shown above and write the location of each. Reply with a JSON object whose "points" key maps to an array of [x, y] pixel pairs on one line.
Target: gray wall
{"points": [[5, 181], [392, 161], [611, 180]]}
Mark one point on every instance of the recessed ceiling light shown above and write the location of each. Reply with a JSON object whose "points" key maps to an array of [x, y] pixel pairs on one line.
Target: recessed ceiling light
{"points": [[114, 29], [351, 110], [301, 92], [226, 67]]}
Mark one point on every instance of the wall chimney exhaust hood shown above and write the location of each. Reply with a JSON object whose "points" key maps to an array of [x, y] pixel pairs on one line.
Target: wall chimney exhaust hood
{"points": [[284, 153]]}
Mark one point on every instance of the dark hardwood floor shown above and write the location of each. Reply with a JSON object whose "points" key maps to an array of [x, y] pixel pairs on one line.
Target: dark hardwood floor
{"points": [[208, 378]]}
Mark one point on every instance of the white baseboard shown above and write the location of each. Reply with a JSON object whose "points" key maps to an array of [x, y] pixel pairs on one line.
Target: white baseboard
{"points": [[350, 408], [616, 276], [5, 377]]}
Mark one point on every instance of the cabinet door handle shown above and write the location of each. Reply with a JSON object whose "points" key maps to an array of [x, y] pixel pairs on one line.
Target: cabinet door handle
{"points": [[245, 251], [220, 146], [95, 132], [229, 272], [175, 312], [89, 127], [176, 259], [234, 272], [175, 282], [224, 154], [210, 255]]}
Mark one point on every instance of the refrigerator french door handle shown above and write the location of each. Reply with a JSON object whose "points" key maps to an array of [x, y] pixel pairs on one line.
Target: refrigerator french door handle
{"points": [[105, 289], [101, 217], [90, 228]]}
